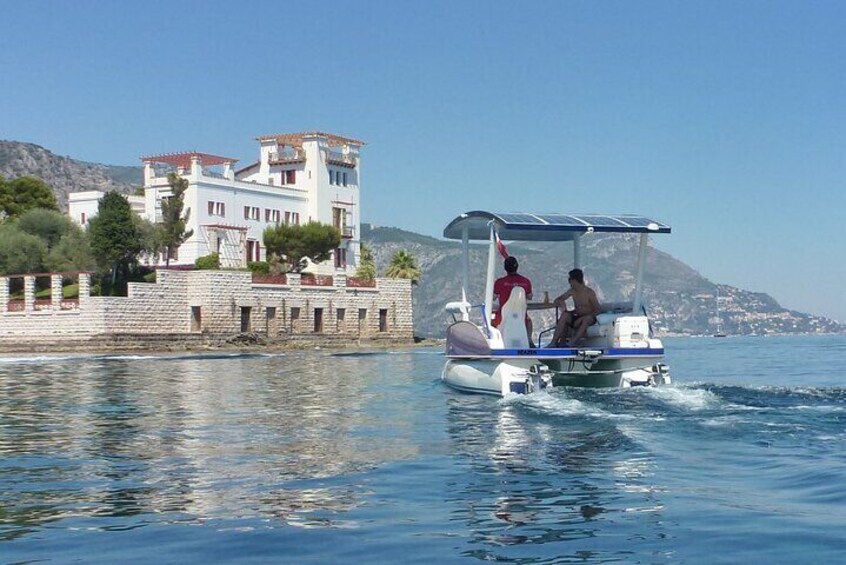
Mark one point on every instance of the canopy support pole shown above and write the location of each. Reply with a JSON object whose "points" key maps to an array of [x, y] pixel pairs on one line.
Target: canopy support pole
{"points": [[641, 265], [465, 264], [489, 282], [577, 251]]}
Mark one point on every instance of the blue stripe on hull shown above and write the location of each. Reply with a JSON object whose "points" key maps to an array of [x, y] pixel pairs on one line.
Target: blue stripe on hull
{"points": [[565, 353]]}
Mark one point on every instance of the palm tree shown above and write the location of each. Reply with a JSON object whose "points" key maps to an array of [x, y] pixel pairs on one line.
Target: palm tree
{"points": [[367, 266], [403, 266]]}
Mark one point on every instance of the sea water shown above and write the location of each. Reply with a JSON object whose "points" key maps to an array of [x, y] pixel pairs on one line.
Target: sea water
{"points": [[323, 458]]}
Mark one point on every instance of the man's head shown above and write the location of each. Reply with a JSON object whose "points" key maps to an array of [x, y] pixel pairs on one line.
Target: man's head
{"points": [[511, 265], [577, 275]]}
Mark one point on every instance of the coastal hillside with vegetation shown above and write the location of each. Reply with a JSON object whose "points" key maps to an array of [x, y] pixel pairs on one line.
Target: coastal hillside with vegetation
{"points": [[679, 299], [65, 174]]}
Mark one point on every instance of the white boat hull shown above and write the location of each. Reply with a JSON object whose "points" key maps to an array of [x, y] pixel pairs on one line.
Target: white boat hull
{"points": [[499, 377], [495, 377]]}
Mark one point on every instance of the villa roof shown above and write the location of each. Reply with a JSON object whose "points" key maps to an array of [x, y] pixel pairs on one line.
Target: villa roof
{"points": [[248, 167], [184, 159], [296, 139]]}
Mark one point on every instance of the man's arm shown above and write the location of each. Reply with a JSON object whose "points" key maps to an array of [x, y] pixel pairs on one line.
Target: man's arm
{"points": [[563, 298]]}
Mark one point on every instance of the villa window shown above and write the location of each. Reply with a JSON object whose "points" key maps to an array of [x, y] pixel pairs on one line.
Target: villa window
{"points": [[383, 320], [246, 325], [253, 250], [291, 177], [340, 258], [217, 209], [295, 316], [196, 319], [345, 179], [83, 219], [252, 213], [340, 314], [287, 217], [339, 216], [271, 216]]}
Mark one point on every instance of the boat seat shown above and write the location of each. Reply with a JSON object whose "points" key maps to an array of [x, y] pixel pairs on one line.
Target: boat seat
{"points": [[513, 325]]}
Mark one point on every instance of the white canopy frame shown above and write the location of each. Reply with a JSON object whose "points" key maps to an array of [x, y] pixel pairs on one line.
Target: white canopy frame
{"points": [[480, 225]]}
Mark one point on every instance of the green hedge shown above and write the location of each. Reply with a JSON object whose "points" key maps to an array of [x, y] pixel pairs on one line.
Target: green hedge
{"points": [[259, 267], [211, 261]]}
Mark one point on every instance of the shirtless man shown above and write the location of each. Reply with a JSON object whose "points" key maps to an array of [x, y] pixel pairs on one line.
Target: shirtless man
{"points": [[587, 308]]}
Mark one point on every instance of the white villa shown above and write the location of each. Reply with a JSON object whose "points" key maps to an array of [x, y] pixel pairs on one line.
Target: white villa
{"points": [[298, 177]]}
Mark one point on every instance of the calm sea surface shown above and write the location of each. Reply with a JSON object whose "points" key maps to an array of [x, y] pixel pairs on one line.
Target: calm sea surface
{"points": [[321, 458]]}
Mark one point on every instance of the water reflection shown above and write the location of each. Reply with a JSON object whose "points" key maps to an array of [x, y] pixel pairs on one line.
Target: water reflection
{"points": [[547, 471], [195, 436]]}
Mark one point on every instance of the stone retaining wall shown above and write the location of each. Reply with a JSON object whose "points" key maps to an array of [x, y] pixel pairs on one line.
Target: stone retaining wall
{"points": [[209, 307]]}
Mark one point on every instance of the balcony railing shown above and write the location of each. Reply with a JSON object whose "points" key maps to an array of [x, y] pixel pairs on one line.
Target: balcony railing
{"points": [[340, 159], [347, 232], [286, 156]]}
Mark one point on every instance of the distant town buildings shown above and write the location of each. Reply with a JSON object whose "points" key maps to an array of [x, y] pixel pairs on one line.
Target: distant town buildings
{"points": [[298, 177]]}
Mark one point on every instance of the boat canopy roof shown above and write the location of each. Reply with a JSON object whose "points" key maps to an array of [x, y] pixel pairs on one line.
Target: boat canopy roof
{"points": [[524, 226]]}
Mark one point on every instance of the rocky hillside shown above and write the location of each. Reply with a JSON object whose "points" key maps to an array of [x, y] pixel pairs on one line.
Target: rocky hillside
{"points": [[63, 173], [679, 300]]}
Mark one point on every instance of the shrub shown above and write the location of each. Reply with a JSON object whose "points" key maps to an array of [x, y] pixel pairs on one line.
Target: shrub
{"points": [[211, 261], [259, 267]]}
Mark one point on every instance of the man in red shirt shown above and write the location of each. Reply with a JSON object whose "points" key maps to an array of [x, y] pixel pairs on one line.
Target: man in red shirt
{"points": [[502, 291]]}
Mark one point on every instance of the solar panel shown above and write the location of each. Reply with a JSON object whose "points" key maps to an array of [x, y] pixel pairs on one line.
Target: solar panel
{"points": [[520, 219], [637, 221], [602, 221], [560, 220], [522, 226]]}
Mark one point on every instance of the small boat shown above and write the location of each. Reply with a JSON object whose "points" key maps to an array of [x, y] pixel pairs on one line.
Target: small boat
{"points": [[619, 351]]}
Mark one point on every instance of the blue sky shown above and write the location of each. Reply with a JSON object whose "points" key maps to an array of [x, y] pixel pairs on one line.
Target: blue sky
{"points": [[726, 120]]}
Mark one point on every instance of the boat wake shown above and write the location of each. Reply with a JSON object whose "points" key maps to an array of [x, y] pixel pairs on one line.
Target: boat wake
{"points": [[553, 404]]}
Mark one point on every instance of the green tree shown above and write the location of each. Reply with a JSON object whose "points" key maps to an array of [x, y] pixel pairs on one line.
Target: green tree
{"points": [[49, 225], [367, 265], [296, 242], [174, 233], [403, 266], [71, 253], [25, 193], [150, 236], [115, 238], [20, 252]]}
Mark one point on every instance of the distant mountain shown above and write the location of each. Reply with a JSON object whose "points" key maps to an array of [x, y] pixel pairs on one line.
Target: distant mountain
{"points": [[679, 300], [63, 173]]}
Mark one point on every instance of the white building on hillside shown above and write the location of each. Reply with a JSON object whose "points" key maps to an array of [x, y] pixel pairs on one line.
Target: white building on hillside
{"points": [[299, 177], [82, 206]]}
